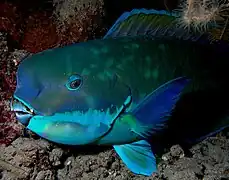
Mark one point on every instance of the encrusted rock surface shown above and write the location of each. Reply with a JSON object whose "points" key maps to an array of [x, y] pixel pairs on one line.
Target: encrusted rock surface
{"points": [[38, 159], [9, 128]]}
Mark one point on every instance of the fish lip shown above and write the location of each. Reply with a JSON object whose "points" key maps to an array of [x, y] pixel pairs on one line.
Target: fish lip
{"points": [[27, 110], [22, 110]]}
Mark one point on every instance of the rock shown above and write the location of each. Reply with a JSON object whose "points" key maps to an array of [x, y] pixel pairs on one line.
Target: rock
{"points": [[96, 166], [45, 175], [28, 158], [185, 168], [25, 158], [55, 156], [175, 152]]}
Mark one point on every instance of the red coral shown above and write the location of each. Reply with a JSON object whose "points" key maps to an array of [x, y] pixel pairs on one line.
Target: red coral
{"points": [[44, 31], [10, 23], [40, 33], [8, 129], [10, 20]]}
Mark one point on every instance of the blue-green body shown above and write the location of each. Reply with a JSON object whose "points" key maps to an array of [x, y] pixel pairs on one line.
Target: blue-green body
{"points": [[120, 90]]}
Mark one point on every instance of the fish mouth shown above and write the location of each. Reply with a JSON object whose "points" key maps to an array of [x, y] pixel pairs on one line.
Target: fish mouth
{"points": [[22, 111]]}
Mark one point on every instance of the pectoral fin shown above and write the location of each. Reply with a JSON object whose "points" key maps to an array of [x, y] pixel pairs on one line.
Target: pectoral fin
{"points": [[152, 113], [138, 157]]}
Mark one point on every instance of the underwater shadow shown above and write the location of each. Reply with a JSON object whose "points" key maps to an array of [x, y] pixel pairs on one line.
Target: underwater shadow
{"points": [[85, 149], [196, 115], [73, 149]]}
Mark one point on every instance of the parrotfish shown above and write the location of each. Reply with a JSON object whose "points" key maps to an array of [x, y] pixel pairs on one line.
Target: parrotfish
{"points": [[148, 79]]}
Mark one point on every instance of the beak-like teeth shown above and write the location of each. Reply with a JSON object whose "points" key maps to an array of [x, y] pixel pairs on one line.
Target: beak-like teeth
{"points": [[32, 111], [20, 107]]}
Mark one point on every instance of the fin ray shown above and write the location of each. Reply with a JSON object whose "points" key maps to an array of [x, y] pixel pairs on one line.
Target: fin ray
{"points": [[162, 24], [138, 157], [152, 23], [154, 111]]}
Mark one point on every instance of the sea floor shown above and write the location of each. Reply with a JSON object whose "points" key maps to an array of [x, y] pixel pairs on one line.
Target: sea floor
{"points": [[28, 158]]}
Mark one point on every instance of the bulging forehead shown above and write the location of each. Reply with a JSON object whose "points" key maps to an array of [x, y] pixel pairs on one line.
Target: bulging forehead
{"points": [[43, 64], [63, 61], [100, 61]]}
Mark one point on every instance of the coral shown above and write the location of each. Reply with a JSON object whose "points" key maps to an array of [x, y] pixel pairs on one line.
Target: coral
{"points": [[78, 20], [40, 33], [8, 61], [205, 16], [65, 26], [10, 20], [66, 10]]}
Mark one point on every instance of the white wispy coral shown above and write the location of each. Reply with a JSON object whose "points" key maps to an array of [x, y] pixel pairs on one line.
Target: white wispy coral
{"points": [[204, 14]]}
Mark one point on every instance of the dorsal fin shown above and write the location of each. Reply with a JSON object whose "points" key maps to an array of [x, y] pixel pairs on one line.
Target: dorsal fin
{"points": [[152, 23]]}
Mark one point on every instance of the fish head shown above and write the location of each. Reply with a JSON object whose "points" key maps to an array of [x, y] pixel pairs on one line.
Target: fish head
{"points": [[67, 80]]}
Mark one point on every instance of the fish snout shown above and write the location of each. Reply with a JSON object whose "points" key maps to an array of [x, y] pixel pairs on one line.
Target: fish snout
{"points": [[22, 111]]}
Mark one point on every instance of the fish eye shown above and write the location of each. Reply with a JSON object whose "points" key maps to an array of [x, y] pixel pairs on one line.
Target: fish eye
{"points": [[74, 82]]}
